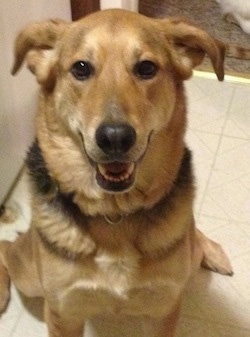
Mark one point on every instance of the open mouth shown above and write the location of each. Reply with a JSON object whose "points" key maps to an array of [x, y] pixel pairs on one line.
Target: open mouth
{"points": [[116, 176]]}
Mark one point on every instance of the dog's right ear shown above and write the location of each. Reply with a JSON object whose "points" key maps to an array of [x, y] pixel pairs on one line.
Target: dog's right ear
{"points": [[190, 44], [37, 43]]}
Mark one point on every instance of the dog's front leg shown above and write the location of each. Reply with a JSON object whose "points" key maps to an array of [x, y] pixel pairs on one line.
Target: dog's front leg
{"points": [[164, 326], [170, 322], [60, 326]]}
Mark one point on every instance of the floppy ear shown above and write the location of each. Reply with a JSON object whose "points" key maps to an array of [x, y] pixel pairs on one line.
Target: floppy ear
{"points": [[191, 44], [36, 42]]}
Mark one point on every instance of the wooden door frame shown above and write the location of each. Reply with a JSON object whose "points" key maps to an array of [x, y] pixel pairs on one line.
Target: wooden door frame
{"points": [[80, 8]]}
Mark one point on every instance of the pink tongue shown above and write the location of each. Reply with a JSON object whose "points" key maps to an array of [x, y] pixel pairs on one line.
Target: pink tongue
{"points": [[116, 167]]}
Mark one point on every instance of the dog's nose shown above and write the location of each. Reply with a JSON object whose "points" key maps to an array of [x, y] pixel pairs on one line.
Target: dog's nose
{"points": [[115, 138]]}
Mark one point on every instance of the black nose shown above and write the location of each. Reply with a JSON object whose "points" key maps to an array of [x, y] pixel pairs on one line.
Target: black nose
{"points": [[115, 138]]}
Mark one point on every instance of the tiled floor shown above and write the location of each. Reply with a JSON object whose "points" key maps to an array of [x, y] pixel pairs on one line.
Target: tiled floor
{"points": [[219, 135]]}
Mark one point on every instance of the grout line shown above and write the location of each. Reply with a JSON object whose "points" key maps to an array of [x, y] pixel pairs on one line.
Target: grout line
{"points": [[246, 136], [15, 325], [221, 135], [232, 180], [245, 222], [194, 129]]}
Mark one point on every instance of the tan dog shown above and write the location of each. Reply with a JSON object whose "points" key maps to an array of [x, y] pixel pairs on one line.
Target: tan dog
{"points": [[112, 229]]}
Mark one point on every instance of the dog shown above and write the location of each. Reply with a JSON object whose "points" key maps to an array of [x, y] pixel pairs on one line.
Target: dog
{"points": [[238, 12], [112, 230]]}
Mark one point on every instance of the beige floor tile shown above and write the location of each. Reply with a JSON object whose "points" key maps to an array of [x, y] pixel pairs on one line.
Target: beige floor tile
{"points": [[238, 121]]}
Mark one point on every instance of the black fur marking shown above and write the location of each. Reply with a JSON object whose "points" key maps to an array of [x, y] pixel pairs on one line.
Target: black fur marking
{"points": [[45, 185], [37, 169], [183, 181], [55, 249], [185, 174]]}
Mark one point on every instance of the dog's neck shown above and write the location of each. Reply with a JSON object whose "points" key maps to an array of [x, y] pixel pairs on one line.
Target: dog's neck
{"points": [[49, 192]]}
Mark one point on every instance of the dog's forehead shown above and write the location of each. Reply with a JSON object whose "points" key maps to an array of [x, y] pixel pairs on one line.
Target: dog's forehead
{"points": [[123, 29], [115, 20]]}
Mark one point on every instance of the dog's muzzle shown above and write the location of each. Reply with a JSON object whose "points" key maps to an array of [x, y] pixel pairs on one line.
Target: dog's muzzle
{"points": [[115, 140]]}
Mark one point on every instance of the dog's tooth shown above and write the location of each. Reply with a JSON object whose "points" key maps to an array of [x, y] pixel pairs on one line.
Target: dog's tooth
{"points": [[131, 168], [102, 170], [125, 175]]}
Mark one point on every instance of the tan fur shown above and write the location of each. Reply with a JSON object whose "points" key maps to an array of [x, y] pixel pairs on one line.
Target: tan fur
{"points": [[139, 265]]}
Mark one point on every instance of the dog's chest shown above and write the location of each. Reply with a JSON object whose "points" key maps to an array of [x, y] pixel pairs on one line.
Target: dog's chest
{"points": [[122, 285], [116, 273]]}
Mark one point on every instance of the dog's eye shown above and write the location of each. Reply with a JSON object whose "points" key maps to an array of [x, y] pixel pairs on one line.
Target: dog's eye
{"points": [[82, 70], [146, 69]]}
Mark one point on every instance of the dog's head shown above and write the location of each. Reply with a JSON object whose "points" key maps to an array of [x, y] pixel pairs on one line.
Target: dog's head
{"points": [[109, 83]]}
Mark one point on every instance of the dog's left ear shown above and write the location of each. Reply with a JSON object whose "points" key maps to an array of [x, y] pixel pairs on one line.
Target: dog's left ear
{"points": [[37, 44], [191, 44]]}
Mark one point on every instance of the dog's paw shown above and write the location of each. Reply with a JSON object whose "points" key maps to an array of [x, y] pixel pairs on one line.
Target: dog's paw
{"points": [[214, 257]]}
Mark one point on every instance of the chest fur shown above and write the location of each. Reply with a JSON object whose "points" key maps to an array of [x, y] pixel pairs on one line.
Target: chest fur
{"points": [[123, 284]]}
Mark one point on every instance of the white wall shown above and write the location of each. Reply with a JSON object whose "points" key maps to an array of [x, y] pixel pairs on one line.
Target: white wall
{"points": [[18, 94]]}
